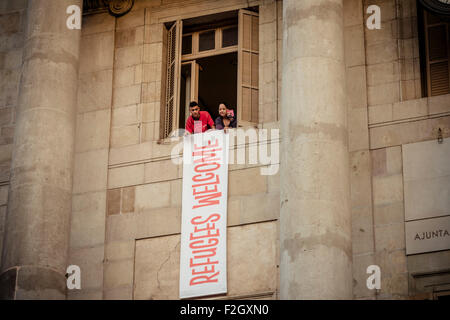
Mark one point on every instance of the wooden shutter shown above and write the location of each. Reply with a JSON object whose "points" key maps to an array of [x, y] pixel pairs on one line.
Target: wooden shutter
{"points": [[437, 51], [170, 112], [248, 66]]}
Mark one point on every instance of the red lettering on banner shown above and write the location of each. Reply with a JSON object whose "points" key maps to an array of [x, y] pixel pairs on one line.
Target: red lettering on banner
{"points": [[212, 253], [209, 145], [211, 242], [207, 200], [201, 263], [206, 156], [209, 226], [197, 167], [206, 192], [207, 196], [207, 235], [205, 270], [197, 280], [204, 252], [208, 176], [214, 217], [217, 181]]}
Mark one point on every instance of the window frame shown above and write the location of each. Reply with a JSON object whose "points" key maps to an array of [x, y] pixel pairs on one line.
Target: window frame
{"points": [[218, 50], [193, 56]]}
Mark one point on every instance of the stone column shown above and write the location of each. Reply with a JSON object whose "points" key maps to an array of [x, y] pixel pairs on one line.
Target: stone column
{"points": [[38, 215], [315, 218]]}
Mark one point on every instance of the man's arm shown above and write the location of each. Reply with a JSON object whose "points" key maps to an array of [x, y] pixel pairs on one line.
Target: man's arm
{"points": [[211, 122], [189, 126]]}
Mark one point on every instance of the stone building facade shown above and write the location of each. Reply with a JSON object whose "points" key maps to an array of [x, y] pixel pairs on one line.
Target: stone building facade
{"points": [[86, 176]]}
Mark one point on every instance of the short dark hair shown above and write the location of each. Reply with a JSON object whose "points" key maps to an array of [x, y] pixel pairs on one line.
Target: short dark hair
{"points": [[193, 104]]}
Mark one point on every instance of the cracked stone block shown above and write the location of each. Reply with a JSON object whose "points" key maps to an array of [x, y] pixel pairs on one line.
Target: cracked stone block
{"points": [[252, 263]]}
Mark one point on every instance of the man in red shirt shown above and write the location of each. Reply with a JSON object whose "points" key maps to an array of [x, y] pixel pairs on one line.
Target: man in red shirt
{"points": [[197, 115]]}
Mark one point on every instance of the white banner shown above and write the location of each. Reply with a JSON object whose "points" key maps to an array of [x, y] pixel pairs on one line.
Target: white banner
{"points": [[203, 265]]}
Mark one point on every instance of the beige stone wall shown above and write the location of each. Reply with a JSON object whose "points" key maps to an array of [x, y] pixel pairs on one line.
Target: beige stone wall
{"points": [[388, 219], [138, 64], [386, 111], [126, 206], [394, 91], [270, 15], [251, 270], [398, 115], [87, 235], [132, 121], [142, 205], [144, 211], [12, 28], [144, 187], [426, 181], [358, 141], [393, 69]]}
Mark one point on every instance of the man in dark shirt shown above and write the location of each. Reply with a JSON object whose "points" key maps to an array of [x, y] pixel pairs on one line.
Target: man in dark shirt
{"points": [[197, 115]]}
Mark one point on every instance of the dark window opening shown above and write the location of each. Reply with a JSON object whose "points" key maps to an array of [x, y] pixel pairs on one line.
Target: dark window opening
{"points": [[217, 82], [204, 63], [207, 41], [434, 46], [444, 297], [187, 44], [210, 21], [230, 37], [185, 83]]}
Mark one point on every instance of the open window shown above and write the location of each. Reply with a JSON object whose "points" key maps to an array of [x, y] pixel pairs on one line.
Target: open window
{"points": [[211, 59], [435, 53]]}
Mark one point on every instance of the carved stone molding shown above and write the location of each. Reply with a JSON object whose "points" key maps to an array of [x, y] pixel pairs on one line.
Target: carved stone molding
{"points": [[116, 8], [119, 7], [439, 7]]}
